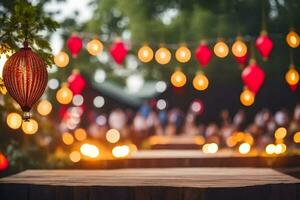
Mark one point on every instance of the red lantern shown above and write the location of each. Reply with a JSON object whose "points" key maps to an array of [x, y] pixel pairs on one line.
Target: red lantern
{"points": [[253, 77], [264, 45], [203, 54], [3, 162], [74, 44], [76, 82], [118, 51], [25, 77], [242, 60]]}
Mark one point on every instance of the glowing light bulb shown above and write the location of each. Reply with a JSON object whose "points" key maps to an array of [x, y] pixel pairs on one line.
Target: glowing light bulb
{"points": [[64, 95], [44, 107], [270, 148], [210, 148], [178, 78], [14, 120], [145, 54], [297, 137], [247, 97], [94, 47], [280, 133], [80, 134], [30, 127], [200, 82], [292, 38], [67, 138], [221, 49], [292, 76], [75, 156], [61, 59], [120, 151], [163, 56], [183, 54], [280, 148], [244, 148], [239, 48], [89, 150], [112, 135]]}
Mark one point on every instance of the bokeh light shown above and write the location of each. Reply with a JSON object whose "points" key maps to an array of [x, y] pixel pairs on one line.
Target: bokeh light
{"points": [[200, 82], [270, 148], [244, 148], [44, 107], [292, 38], [77, 100], [64, 95], [30, 127], [178, 78], [75, 156], [89, 150], [221, 49], [120, 151], [67, 138], [61, 59], [292, 76], [145, 54], [80, 134], [183, 54], [14, 120], [247, 97], [163, 56], [113, 135], [239, 48], [280, 133], [94, 47], [210, 148], [296, 137]]}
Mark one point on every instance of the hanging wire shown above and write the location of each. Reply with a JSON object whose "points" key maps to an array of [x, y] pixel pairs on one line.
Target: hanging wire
{"points": [[263, 16]]}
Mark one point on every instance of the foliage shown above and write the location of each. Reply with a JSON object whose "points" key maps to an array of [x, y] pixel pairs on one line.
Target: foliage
{"points": [[27, 23]]}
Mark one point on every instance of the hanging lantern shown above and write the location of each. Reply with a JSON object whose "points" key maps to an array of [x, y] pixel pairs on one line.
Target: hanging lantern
{"points": [[200, 82], [61, 59], [3, 162], [253, 77], [30, 127], [292, 76], [247, 97], [76, 82], [25, 77], [178, 78], [239, 48], [221, 49], [44, 107], [74, 44], [264, 45], [14, 120], [94, 47], [183, 54], [64, 95], [163, 56], [118, 51], [292, 38], [242, 60], [145, 54], [203, 54]]}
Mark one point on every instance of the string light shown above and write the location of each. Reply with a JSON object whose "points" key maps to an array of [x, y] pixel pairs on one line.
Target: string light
{"points": [[44, 107], [239, 48], [221, 49], [145, 54], [183, 54], [89, 150], [30, 127], [178, 78], [113, 135], [94, 47], [14, 120], [247, 97], [200, 82], [163, 56], [64, 95], [292, 76], [61, 59], [292, 38]]}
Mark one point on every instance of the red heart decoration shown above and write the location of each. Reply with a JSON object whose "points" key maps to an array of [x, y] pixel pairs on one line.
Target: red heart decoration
{"points": [[118, 51], [264, 45], [203, 54], [253, 77]]}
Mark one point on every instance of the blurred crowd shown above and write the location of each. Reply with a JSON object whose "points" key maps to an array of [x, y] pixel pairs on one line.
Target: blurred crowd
{"points": [[148, 122]]}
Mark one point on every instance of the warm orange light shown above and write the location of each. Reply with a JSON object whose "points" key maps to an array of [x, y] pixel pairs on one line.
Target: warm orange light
{"points": [[89, 150], [61, 59], [30, 127], [270, 148], [178, 78], [183, 54], [112, 135], [280, 133], [44, 107], [80, 134], [292, 38], [221, 49], [244, 148], [94, 47], [14, 120], [120, 151], [210, 148], [297, 137], [64, 95], [247, 97], [67, 138], [145, 54], [75, 156], [163, 56], [292, 76], [239, 48], [280, 148], [200, 82]]}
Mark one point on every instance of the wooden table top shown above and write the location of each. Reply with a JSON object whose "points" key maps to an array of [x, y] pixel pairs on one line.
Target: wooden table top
{"points": [[169, 177]]}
